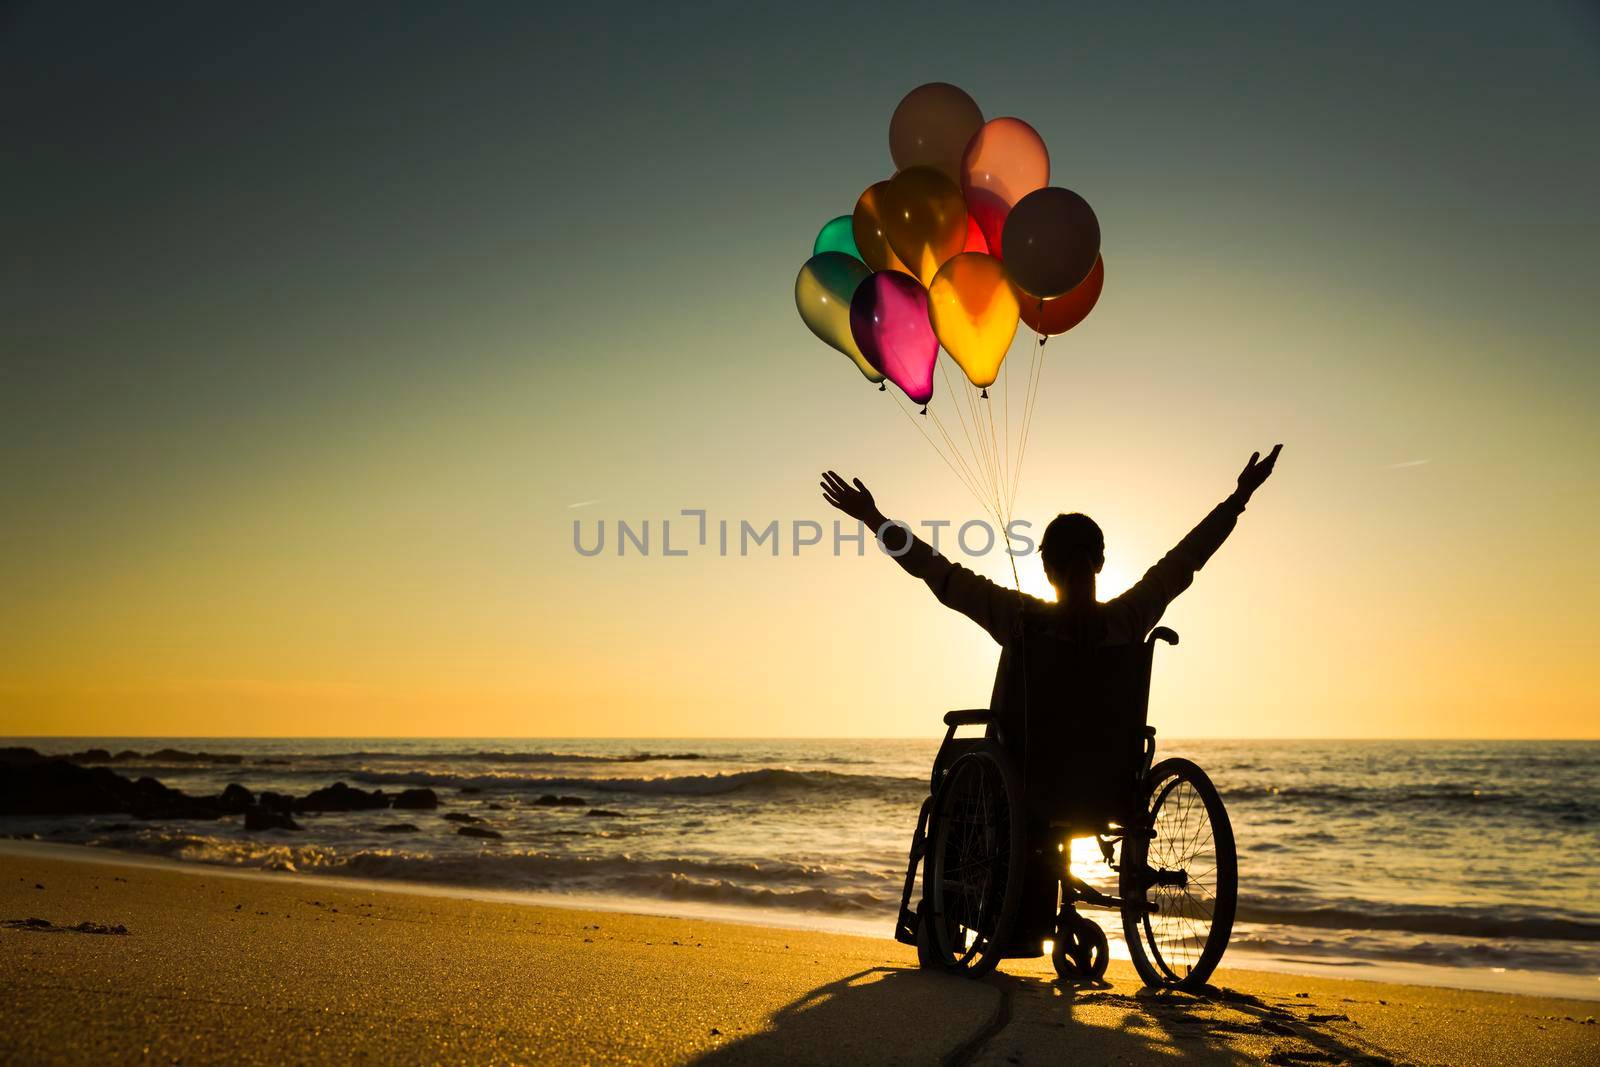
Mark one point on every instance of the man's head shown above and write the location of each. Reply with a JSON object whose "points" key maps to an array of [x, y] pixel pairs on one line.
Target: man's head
{"points": [[1073, 550]]}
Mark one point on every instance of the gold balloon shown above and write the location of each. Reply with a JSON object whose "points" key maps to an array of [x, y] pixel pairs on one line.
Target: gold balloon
{"points": [[974, 312], [822, 293], [867, 227], [925, 219]]}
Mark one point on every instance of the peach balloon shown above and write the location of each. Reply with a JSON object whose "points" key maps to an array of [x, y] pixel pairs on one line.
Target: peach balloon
{"points": [[1005, 161]]}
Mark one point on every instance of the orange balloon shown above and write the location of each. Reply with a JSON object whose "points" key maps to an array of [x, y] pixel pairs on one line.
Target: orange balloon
{"points": [[1051, 317], [1005, 161], [975, 239], [925, 219], [931, 128], [974, 313], [866, 225]]}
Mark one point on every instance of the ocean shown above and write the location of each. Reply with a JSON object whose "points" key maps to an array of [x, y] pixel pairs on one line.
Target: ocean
{"points": [[1471, 863]]}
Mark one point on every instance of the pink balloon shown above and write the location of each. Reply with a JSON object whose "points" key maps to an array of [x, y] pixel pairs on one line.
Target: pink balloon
{"points": [[889, 321]]}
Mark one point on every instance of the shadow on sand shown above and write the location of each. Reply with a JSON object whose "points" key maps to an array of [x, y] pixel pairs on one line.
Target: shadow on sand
{"points": [[904, 1015]]}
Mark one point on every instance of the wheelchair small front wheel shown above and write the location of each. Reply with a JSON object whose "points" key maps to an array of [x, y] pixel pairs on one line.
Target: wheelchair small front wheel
{"points": [[1080, 949], [1179, 884], [972, 883]]}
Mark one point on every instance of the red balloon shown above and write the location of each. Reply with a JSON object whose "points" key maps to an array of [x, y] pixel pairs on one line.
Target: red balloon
{"points": [[1051, 240], [931, 128], [975, 238], [1052, 317], [1005, 161]]}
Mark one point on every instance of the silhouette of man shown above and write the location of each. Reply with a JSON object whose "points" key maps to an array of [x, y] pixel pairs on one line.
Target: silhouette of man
{"points": [[1073, 551]]}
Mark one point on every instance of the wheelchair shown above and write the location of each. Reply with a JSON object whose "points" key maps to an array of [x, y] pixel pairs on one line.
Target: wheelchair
{"points": [[1066, 755]]}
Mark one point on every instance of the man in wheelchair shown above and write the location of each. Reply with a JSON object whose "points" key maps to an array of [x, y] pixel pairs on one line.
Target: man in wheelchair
{"points": [[1066, 754]]}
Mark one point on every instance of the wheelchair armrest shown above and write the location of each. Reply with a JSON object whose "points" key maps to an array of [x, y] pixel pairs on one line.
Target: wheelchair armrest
{"points": [[973, 717], [1164, 633]]}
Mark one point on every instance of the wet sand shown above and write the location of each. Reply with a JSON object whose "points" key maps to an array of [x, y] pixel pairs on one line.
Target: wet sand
{"points": [[265, 970]]}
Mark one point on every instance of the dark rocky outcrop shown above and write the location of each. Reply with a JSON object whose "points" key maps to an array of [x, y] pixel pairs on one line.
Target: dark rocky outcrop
{"points": [[341, 797], [604, 813], [35, 784], [276, 802], [259, 818], [32, 785], [550, 800], [417, 800], [236, 798], [478, 831]]}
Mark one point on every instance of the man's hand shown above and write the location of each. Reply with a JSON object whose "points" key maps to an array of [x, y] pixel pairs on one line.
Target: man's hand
{"points": [[1255, 472], [855, 502]]}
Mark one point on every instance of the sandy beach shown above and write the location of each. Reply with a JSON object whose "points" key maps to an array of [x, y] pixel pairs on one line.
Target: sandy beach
{"points": [[270, 969]]}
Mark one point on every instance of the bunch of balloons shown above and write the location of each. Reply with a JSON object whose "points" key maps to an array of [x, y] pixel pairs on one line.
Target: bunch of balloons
{"points": [[967, 238]]}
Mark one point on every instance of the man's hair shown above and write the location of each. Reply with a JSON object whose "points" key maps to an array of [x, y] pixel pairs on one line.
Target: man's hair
{"points": [[1071, 543]]}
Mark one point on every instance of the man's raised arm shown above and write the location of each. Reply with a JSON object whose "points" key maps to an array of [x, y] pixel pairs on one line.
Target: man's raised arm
{"points": [[1140, 608], [991, 606]]}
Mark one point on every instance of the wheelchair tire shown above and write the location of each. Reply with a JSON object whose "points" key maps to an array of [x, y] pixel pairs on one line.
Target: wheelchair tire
{"points": [[972, 877], [1080, 950], [1189, 869]]}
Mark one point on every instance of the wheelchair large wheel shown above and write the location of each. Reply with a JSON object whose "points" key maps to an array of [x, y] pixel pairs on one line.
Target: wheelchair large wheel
{"points": [[1188, 870], [972, 883]]}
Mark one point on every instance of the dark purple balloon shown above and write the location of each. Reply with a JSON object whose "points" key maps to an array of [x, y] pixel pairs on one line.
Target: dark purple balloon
{"points": [[1051, 241]]}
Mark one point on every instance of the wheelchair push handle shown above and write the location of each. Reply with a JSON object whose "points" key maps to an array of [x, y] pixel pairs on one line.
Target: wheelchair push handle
{"points": [[1163, 633]]}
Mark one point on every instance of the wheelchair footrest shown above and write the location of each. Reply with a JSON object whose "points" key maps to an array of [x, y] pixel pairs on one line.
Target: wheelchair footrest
{"points": [[905, 929]]}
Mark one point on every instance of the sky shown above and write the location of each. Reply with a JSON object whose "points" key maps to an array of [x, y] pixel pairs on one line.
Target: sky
{"points": [[320, 329]]}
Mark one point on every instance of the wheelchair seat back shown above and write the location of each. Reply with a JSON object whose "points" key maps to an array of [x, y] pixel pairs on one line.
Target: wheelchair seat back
{"points": [[1073, 714]]}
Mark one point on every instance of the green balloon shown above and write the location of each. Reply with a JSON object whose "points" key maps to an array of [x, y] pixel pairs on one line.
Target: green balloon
{"points": [[836, 236]]}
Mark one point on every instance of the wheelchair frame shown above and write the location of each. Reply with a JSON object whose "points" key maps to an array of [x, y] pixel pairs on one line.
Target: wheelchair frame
{"points": [[1072, 890]]}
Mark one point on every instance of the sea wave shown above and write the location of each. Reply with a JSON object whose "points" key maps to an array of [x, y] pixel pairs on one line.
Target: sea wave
{"points": [[1418, 919], [761, 781], [783, 885], [1456, 799], [494, 757], [1441, 951]]}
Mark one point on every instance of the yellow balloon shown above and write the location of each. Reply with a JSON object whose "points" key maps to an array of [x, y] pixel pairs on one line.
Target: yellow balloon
{"points": [[974, 312], [822, 294]]}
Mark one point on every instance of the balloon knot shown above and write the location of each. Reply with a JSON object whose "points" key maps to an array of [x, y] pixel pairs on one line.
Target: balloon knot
{"points": [[882, 388], [984, 395], [924, 410], [1042, 340]]}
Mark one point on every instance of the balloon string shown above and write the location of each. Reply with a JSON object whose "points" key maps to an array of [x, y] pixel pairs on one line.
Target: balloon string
{"points": [[1030, 399], [970, 395], [1022, 427], [971, 448], [994, 445], [1005, 400], [935, 447], [1035, 376], [973, 488], [972, 469], [972, 479]]}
